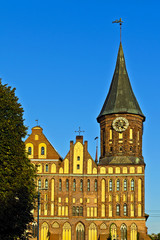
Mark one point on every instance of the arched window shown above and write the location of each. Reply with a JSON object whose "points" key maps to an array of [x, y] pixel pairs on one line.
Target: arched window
{"points": [[34, 229], [66, 231], [125, 185], [92, 232], [74, 185], [46, 183], [118, 185], [46, 167], [133, 231], [118, 210], [113, 231], [67, 185], [95, 185], [80, 234], [74, 211], [132, 185], [29, 151], [42, 151], [78, 158], [110, 185], [125, 209], [81, 211], [123, 232], [88, 185], [44, 231], [81, 185], [60, 185], [39, 183]]}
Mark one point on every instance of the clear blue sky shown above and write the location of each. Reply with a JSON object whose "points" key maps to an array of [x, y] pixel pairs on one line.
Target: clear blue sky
{"points": [[61, 55]]}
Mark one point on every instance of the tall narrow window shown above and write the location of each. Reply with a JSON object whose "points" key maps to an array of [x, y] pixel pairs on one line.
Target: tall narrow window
{"points": [[46, 167], [125, 185], [110, 134], [124, 232], [120, 135], [88, 185], [125, 209], [110, 185], [67, 185], [74, 211], [42, 151], [78, 158], [39, 183], [118, 210], [131, 133], [29, 151], [46, 183], [118, 185], [60, 185], [138, 135], [81, 211], [77, 211], [81, 185], [74, 185], [95, 185], [132, 185]]}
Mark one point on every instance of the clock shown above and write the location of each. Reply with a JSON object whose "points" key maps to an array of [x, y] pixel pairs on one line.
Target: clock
{"points": [[120, 124]]}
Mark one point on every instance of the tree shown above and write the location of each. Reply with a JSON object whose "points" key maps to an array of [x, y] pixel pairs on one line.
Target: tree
{"points": [[17, 174]]}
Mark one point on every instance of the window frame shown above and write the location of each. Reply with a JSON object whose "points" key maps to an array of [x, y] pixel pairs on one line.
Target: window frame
{"points": [[118, 185], [29, 150], [67, 185], [125, 185], [46, 183], [132, 185], [42, 150], [88, 185], [110, 185]]}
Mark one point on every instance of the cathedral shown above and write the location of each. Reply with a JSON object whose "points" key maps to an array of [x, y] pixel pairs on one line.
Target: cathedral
{"points": [[85, 199]]}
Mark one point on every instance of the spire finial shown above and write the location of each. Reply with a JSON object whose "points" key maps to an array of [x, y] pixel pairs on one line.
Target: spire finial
{"points": [[120, 24], [37, 121]]}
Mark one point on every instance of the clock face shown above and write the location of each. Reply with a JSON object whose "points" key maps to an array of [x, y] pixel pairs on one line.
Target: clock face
{"points": [[120, 124]]}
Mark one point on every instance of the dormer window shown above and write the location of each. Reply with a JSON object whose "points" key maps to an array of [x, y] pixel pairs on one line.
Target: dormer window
{"points": [[42, 151]]}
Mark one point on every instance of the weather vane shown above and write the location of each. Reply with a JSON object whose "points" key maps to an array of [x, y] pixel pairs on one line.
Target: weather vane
{"points": [[37, 121], [79, 131], [120, 23]]}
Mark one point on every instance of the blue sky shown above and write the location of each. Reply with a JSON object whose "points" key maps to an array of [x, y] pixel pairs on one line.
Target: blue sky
{"points": [[61, 55]]}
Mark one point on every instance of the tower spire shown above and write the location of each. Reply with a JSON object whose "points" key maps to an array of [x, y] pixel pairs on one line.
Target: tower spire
{"points": [[120, 98], [120, 24]]}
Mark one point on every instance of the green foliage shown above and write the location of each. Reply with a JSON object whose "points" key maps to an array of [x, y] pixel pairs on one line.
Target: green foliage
{"points": [[17, 174]]}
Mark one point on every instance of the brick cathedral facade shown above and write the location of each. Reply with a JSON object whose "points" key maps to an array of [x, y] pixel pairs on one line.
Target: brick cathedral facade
{"points": [[82, 199]]}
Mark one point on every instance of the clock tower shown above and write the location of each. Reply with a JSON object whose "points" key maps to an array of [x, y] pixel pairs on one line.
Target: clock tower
{"points": [[121, 129], [121, 120]]}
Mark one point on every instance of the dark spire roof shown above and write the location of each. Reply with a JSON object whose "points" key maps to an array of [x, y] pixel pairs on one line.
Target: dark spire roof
{"points": [[120, 98]]}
